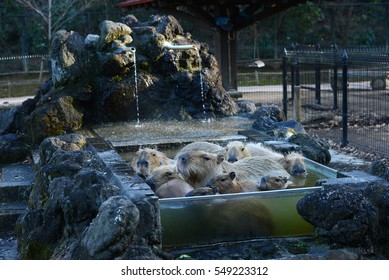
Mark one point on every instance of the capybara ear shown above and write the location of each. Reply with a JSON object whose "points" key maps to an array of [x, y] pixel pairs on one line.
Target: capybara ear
{"points": [[232, 175], [220, 158]]}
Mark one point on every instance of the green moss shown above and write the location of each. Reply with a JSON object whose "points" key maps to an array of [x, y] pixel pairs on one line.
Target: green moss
{"points": [[116, 78], [36, 250]]}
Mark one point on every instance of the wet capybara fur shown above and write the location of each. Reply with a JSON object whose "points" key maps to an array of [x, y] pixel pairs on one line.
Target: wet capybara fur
{"points": [[161, 175], [273, 183], [292, 162], [237, 150], [173, 188], [203, 191], [226, 183], [146, 159], [198, 167], [202, 146]]}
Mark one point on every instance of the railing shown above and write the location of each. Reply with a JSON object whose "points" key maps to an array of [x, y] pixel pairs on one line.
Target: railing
{"points": [[344, 94], [22, 75]]}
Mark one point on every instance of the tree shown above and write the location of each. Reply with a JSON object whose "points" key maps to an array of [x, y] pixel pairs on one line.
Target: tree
{"points": [[56, 13]]}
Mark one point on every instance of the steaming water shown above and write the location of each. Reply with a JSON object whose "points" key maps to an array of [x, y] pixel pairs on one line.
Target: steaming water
{"points": [[230, 217], [211, 219], [156, 132], [208, 220]]}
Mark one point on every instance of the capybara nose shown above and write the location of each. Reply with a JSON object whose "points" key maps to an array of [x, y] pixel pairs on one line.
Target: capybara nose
{"points": [[262, 184], [215, 190], [142, 162], [298, 171]]}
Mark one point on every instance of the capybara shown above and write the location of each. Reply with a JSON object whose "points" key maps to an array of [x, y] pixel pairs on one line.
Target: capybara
{"points": [[146, 159], [202, 146], [203, 191], [173, 188], [161, 175], [273, 183], [292, 162], [237, 150], [226, 183], [198, 167]]}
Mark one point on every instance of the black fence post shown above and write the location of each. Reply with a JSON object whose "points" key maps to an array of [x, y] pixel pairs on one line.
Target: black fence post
{"points": [[317, 78], [344, 99], [292, 79], [284, 85], [334, 82]]}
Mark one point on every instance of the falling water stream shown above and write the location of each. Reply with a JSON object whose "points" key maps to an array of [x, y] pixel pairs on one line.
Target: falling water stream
{"points": [[202, 86], [136, 89]]}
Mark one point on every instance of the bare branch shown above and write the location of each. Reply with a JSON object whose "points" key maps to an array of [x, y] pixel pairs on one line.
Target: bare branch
{"points": [[36, 6]]}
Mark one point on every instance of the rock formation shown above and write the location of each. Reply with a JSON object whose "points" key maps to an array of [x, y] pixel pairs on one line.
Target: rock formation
{"points": [[78, 211], [103, 77]]}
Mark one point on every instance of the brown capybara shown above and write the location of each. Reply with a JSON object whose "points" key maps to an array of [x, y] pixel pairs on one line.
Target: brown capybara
{"points": [[292, 162], [202, 146], [237, 150], [198, 167], [146, 159], [173, 188], [203, 191], [226, 183], [273, 183], [295, 165], [161, 175]]}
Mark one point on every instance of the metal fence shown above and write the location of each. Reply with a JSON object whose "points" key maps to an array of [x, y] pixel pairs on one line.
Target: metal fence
{"points": [[341, 95], [22, 75]]}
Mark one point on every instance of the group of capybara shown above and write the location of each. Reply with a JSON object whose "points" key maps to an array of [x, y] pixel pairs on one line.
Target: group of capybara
{"points": [[204, 168]]}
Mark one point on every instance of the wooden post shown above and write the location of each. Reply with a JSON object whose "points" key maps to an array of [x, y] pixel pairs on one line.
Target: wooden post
{"points": [[226, 57]]}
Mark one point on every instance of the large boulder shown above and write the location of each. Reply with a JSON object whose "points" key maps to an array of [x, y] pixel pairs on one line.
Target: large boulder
{"points": [[349, 213], [53, 118], [78, 209], [67, 57], [312, 148], [13, 148]]}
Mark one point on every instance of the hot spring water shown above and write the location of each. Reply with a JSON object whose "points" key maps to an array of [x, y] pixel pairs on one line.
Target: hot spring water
{"points": [[211, 219]]}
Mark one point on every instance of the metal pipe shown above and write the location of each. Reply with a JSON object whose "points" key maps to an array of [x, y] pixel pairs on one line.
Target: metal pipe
{"points": [[123, 50], [178, 47]]}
